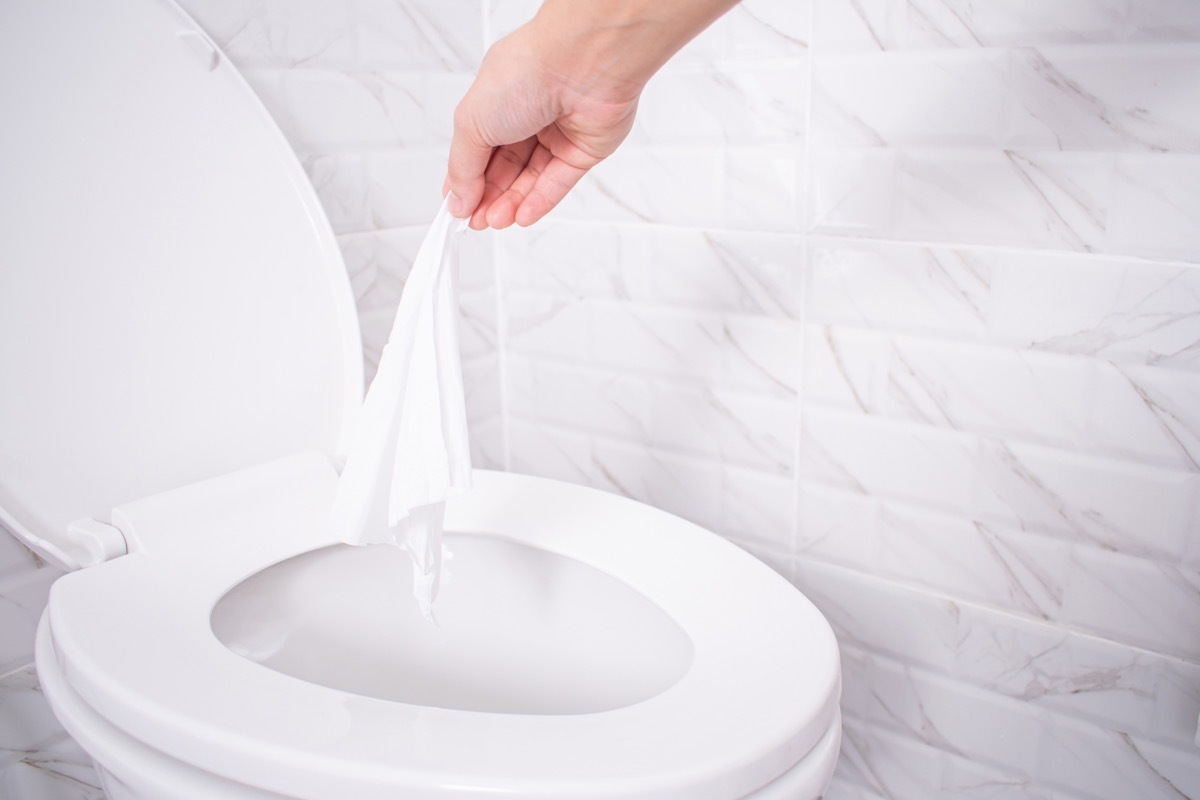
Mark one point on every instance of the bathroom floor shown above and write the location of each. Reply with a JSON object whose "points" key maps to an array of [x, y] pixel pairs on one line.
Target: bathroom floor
{"points": [[38, 760]]}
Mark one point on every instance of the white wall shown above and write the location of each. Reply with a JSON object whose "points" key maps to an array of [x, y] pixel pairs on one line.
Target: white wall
{"points": [[900, 296]]}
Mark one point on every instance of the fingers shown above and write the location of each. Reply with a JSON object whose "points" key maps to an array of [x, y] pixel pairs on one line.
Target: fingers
{"points": [[552, 186], [469, 157], [505, 167]]}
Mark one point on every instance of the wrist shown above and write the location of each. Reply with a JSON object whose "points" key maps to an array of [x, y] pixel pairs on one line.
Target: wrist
{"points": [[609, 49]]}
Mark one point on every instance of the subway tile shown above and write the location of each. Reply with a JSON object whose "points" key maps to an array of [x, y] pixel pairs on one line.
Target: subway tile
{"points": [[758, 511], [967, 559], [877, 760], [1146, 414], [1112, 765], [1141, 602], [538, 449], [672, 186], [343, 189], [729, 426], [942, 291], [582, 398], [29, 724], [1020, 198], [844, 368], [280, 33], [326, 111], [548, 324], [378, 263], [1163, 20], [730, 105], [955, 718], [403, 187], [760, 354], [989, 390], [838, 527], [779, 561], [768, 29], [1172, 771], [481, 388], [761, 188], [1122, 310], [1049, 665], [16, 558], [64, 773], [488, 443], [433, 35], [502, 17], [1105, 503], [687, 487], [885, 459], [1040, 666], [886, 764], [850, 26], [23, 598], [1124, 99], [882, 616], [953, 99], [664, 342], [1155, 207], [477, 324], [877, 25], [756, 274], [476, 260], [956, 23], [751, 353], [851, 191]]}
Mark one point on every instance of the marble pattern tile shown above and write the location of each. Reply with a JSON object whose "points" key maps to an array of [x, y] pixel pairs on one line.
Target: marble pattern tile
{"points": [[899, 295], [37, 759]]}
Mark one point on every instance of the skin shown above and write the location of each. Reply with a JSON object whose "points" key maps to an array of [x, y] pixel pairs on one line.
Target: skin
{"points": [[555, 98]]}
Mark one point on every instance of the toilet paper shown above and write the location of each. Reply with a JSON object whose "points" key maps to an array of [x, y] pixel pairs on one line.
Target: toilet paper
{"points": [[409, 453]]}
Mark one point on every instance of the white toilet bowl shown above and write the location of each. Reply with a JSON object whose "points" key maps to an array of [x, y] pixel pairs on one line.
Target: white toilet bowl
{"points": [[187, 374], [588, 646]]}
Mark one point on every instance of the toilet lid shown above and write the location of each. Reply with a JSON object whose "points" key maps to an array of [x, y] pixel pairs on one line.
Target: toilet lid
{"points": [[173, 305]]}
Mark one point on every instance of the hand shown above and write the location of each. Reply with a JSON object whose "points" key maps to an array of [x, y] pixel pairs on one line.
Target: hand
{"points": [[555, 98], [525, 133]]}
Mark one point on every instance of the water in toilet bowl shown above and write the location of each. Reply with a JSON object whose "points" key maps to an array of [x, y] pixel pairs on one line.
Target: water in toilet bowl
{"points": [[521, 630]]}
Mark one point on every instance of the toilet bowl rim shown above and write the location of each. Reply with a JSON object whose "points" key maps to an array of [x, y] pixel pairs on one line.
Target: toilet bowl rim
{"points": [[157, 714]]}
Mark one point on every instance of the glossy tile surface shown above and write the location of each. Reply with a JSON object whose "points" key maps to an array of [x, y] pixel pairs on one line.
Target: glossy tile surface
{"points": [[902, 296]]}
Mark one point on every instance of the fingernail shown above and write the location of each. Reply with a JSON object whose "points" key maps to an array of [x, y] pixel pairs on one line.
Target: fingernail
{"points": [[454, 204]]}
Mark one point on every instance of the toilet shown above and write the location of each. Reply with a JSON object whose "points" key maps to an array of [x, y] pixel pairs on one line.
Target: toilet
{"points": [[182, 367]]}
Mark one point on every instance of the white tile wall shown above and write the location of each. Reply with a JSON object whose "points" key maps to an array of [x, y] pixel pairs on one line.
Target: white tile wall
{"points": [[903, 296]]}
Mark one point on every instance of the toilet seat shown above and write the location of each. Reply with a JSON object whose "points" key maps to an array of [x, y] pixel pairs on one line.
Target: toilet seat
{"points": [[133, 638]]}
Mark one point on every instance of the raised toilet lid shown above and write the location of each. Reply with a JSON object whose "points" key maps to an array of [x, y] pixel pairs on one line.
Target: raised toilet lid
{"points": [[173, 305], [134, 636]]}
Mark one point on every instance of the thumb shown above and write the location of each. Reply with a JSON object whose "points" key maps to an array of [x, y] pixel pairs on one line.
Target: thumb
{"points": [[469, 157]]}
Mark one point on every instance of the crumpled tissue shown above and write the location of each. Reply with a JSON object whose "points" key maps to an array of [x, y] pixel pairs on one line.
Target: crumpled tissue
{"points": [[410, 454]]}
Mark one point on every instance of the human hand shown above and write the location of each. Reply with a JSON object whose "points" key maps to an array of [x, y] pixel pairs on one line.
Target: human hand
{"points": [[555, 98], [526, 132]]}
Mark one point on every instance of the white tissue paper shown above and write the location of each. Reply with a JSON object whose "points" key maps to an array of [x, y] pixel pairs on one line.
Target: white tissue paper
{"points": [[409, 453]]}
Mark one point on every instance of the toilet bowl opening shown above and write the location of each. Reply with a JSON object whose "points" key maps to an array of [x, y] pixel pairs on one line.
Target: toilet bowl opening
{"points": [[520, 630]]}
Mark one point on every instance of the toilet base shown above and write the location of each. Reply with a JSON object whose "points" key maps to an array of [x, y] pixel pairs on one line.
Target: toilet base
{"points": [[130, 770]]}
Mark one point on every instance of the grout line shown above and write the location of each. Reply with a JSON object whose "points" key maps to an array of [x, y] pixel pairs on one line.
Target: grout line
{"points": [[16, 671], [806, 286]]}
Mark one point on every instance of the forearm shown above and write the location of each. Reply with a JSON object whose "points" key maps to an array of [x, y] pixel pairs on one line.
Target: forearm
{"points": [[611, 48]]}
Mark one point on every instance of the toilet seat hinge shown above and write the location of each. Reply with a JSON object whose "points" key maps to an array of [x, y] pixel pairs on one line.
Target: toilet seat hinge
{"points": [[90, 542]]}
